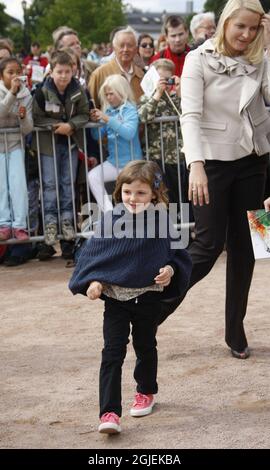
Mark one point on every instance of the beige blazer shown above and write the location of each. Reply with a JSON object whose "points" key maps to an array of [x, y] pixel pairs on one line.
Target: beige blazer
{"points": [[101, 73], [224, 116]]}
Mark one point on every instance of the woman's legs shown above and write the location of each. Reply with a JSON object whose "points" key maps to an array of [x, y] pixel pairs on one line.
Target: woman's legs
{"points": [[246, 194], [234, 188], [211, 221]]}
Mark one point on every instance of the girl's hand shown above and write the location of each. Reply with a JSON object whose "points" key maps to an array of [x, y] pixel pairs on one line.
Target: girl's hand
{"points": [[15, 85], [265, 22], [94, 290], [97, 115], [164, 278], [198, 184], [267, 204]]}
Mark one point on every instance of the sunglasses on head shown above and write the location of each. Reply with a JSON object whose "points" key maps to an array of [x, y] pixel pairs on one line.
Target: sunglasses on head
{"points": [[145, 45]]}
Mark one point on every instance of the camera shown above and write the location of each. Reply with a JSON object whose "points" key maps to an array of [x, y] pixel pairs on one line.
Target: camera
{"points": [[171, 81], [23, 79]]}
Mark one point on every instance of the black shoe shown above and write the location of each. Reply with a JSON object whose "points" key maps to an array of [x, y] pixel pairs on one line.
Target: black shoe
{"points": [[15, 260], [241, 354], [45, 252], [67, 248]]}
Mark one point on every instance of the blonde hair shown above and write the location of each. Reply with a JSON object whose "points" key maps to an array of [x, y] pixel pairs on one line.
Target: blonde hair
{"points": [[147, 172], [120, 86], [164, 64], [255, 50]]}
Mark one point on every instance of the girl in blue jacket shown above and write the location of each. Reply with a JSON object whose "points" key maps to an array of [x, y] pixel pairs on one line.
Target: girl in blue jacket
{"points": [[120, 118]]}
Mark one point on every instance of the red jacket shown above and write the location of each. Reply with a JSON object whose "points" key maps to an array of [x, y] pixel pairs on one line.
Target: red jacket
{"points": [[178, 59]]}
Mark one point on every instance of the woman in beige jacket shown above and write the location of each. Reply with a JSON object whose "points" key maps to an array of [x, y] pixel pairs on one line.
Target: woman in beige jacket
{"points": [[226, 133]]}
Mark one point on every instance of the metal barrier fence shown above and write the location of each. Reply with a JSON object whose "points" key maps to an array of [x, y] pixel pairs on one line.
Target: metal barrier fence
{"points": [[82, 200]]}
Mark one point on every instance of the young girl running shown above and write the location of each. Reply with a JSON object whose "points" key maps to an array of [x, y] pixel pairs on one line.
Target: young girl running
{"points": [[135, 273], [15, 112], [119, 114]]}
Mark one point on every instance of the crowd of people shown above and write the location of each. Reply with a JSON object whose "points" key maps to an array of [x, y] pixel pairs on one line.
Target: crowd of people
{"points": [[108, 82], [217, 87]]}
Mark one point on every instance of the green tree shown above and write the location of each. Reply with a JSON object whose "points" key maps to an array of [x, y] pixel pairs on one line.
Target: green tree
{"points": [[93, 19], [4, 20], [217, 6]]}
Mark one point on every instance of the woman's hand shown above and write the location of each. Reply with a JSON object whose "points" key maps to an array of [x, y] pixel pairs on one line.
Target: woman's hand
{"points": [[164, 278], [198, 184], [267, 204], [94, 290], [265, 22]]}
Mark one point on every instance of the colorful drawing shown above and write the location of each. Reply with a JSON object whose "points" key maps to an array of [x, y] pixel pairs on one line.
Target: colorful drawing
{"points": [[259, 224]]}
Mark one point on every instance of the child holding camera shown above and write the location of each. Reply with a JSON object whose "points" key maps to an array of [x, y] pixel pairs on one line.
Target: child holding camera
{"points": [[15, 112], [164, 102]]}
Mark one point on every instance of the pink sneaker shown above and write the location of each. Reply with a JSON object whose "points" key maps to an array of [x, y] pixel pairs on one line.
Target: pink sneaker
{"points": [[143, 405], [20, 234], [110, 423], [5, 233]]}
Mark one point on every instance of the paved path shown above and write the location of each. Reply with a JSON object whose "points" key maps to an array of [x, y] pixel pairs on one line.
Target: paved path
{"points": [[50, 353]]}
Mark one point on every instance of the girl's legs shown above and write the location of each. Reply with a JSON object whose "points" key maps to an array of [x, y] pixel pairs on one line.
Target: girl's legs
{"points": [[96, 177], [5, 214], [116, 331], [18, 188], [246, 194], [144, 328]]}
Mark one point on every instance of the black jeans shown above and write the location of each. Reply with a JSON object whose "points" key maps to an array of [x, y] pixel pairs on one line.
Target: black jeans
{"points": [[118, 316], [234, 188]]}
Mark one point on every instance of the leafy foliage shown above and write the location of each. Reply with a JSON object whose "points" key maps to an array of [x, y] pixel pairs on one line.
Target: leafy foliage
{"points": [[4, 20], [217, 6], [93, 19]]}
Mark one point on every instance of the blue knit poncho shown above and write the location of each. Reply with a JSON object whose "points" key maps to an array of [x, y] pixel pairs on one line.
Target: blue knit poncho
{"points": [[128, 250]]}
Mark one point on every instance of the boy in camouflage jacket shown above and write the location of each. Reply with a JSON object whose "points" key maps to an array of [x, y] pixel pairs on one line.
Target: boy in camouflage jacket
{"points": [[162, 105]]}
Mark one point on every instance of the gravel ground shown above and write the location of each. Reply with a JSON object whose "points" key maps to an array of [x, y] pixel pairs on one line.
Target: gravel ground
{"points": [[50, 355]]}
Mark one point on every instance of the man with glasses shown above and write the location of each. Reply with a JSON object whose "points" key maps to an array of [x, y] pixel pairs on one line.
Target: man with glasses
{"points": [[125, 49], [202, 27], [177, 37]]}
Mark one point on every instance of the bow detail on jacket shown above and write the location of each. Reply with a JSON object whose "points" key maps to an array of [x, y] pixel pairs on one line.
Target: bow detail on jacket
{"points": [[223, 64]]}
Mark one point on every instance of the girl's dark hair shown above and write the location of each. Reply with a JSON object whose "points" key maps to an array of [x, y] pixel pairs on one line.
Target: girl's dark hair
{"points": [[6, 61], [147, 172]]}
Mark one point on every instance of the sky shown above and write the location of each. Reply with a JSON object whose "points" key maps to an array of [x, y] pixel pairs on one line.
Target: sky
{"points": [[14, 7]]}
